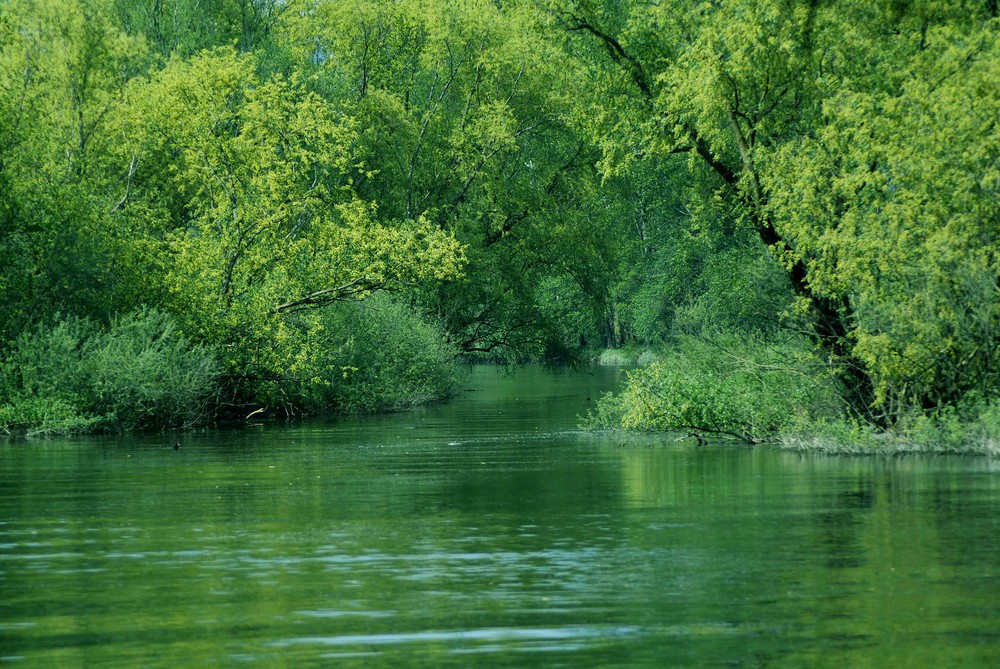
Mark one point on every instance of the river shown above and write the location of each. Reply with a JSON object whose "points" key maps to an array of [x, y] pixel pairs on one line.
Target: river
{"points": [[490, 531]]}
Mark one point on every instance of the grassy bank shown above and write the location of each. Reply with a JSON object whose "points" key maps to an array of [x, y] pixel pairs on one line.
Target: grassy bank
{"points": [[974, 431], [756, 390]]}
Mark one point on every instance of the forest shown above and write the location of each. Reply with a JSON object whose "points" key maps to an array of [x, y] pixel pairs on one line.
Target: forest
{"points": [[784, 213]]}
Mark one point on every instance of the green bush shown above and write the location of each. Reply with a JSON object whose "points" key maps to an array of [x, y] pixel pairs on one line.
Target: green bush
{"points": [[36, 416], [973, 429], [971, 426], [360, 357], [145, 373], [50, 361], [390, 358], [732, 386], [615, 357], [647, 358], [986, 433], [72, 376]]}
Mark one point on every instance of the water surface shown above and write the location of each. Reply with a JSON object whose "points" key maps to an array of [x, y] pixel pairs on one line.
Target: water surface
{"points": [[490, 532]]}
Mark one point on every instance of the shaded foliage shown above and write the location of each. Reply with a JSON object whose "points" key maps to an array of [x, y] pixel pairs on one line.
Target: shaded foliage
{"points": [[74, 374]]}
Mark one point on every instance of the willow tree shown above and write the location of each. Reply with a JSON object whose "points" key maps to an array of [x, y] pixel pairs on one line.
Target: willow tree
{"points": [[63, 67], [463, 116], [858, 140], [199, 185], [243, 186]]}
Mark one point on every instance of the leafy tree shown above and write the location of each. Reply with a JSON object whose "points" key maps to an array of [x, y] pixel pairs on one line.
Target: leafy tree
{"points": [[836, 102], [185, 27], [463, 112], [246, 185], [894, 202], [63, 66], [685, 262], [223, 195], [534, 182]]}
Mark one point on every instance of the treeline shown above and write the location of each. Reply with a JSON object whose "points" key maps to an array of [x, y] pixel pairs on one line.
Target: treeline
{"points": [[318, 204]]}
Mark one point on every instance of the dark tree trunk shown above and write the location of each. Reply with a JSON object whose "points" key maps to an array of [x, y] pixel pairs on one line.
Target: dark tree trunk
{"points": [[831, 318]]}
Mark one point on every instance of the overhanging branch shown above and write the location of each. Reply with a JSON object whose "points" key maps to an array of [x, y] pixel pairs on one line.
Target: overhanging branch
{"points": [[618, 54], [351, 290]]}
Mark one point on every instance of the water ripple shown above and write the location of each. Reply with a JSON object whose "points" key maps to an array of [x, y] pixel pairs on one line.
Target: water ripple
{"points": [[491, 635]]}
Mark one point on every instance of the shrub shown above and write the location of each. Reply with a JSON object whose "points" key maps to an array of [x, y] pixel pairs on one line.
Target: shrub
{"points": [[973, 429], [739, 387], [49, 361], [355, 357], [970, 426], [73, 376], [36, 416], [614, 357], [986, 433], [647, 358], [389, 357], [145, 373]]}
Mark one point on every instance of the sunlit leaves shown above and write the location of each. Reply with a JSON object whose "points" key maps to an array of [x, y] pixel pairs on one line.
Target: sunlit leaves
{"points": [[858, 138], [262, 171], [894, 201]]}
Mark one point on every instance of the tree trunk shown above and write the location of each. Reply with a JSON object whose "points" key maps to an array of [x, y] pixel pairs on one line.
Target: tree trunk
{"points": [[831, 318]]}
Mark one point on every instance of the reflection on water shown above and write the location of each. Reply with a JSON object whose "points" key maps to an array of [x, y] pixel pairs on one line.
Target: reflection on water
{"points": [[490, 532]]}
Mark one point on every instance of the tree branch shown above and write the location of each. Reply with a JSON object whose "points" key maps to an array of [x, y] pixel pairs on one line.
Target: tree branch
{"points": [[326, 296], [618, 54]]}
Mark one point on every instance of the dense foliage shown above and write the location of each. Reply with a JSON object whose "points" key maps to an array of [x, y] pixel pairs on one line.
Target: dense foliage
{"points": [[730, 386], [859, 143], [330, 199], [72, 375]]}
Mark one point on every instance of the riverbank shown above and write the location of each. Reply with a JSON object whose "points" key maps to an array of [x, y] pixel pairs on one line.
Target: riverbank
{"points": [[141, 372], [932, 435], [751, 390]]}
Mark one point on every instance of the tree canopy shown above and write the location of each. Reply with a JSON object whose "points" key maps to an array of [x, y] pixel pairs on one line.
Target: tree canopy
{"points": [[533, 179], [859, 142]]}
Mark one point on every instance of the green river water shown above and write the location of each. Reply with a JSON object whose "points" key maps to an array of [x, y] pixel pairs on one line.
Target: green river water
{"points": [[489, 531]]}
